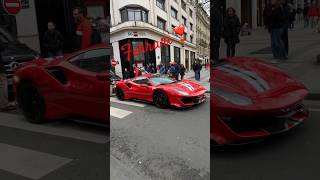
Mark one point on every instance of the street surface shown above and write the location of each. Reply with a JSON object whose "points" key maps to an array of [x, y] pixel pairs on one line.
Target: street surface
{"points": [[62, 150], [293, 155], [160, 144]]}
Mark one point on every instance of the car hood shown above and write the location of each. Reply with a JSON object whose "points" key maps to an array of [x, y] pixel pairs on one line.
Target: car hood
{"points": [[18, 52], [252, 78], [184, 85]]}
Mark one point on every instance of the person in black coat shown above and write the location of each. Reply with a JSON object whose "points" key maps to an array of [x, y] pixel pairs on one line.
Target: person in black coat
{"points": [[53, 41], [216, 30], [182, 71], [231, 31]]}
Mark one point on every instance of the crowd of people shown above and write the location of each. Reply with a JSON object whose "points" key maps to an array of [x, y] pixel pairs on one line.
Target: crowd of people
{"points": [[175, 70], [90, 31], [311, 16]]}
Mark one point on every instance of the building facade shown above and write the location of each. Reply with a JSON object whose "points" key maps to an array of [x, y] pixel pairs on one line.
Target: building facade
{"points": [[143, 23], [203, 35]]}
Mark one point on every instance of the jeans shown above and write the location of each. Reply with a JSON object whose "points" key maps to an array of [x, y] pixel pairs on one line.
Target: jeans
{"points": [[197, 75], [277, 45]]}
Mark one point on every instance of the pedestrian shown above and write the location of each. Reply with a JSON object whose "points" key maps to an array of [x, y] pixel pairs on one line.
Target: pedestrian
{"points": [[182, 71], [53, 41], [136, 71], [288, 18], [103, 28], [299, 13], [126, 74], [293, 14], [231, 31], [163, 69], [177, 70], [4, 101], [196, 69], [313, 14], [154, 68], [217, 24], [95, 35], [172, 71], [274, 20], [305, 15], [84, 29]]}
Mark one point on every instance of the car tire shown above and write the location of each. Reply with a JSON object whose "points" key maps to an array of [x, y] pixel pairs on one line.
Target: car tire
{"points": [[119, 94], [31, 103], [161, 100]]}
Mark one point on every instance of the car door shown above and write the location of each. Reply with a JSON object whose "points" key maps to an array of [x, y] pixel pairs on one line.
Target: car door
{"points": [[88, 81], [141, 88]]}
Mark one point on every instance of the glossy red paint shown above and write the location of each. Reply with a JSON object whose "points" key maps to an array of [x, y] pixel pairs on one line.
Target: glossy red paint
{"points": [[146, 92], [266, 101], [84, 95]]}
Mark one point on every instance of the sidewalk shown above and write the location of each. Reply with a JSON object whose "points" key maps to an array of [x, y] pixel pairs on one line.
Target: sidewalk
{"points": [[303, 49]]}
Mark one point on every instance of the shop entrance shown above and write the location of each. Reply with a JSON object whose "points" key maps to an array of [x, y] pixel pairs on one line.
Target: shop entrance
{"points": [[60, 12], [142, 59]]}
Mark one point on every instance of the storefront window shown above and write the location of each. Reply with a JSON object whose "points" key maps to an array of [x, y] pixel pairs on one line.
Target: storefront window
{"points": [[177, 55], [187, 59], [192, 57], [165, 54], [134, 14], [140, 57], [95, 11]]}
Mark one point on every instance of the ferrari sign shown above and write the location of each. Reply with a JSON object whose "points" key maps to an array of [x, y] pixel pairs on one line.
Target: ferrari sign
{"points": [[113, 63], [12, 7]]}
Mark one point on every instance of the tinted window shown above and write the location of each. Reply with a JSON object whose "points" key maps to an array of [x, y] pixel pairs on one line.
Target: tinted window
{"points": [[93, 61], [161, 80], [141, 80]]}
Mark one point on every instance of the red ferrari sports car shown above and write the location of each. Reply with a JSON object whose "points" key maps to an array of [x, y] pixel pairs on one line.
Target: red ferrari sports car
{"points": [[70, 86], [252, 100], [161, 90]]}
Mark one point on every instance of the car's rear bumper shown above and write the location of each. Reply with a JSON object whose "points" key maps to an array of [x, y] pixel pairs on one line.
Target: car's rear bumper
{"points": [[230, 130]]}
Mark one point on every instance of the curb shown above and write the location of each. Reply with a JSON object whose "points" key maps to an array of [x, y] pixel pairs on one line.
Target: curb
{"points": [[313, 96]]}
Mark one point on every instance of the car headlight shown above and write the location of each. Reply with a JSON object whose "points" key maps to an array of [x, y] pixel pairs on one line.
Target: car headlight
{"points": [[181, 91], [234, 98]]}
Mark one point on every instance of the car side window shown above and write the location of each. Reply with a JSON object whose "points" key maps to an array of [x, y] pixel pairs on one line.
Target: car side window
{"points": [[141, 81], [97, 60]]}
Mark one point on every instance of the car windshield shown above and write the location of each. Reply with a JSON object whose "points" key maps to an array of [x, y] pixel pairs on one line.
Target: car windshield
{"points": [[161, 80]]}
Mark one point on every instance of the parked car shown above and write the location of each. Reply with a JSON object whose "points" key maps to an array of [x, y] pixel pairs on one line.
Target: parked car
{"points": [[71, 86], [252, 100], [161, 90], [14, 53]]}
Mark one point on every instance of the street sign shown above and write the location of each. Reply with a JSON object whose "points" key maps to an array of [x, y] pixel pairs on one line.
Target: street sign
{"points": [[113, 63], [12, 7]]}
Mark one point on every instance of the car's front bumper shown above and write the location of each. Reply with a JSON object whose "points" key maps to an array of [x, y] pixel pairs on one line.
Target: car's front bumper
{"points": [[188, 101], [234, 130]]}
